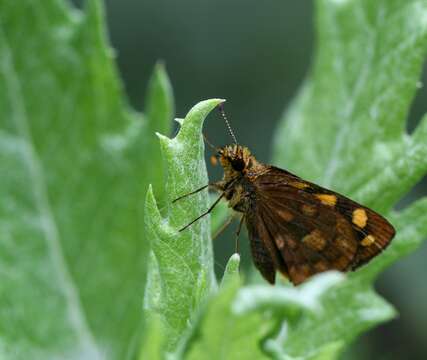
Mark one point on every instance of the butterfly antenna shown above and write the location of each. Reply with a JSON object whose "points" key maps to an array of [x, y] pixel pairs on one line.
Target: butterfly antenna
{"points": [[221, 110]]}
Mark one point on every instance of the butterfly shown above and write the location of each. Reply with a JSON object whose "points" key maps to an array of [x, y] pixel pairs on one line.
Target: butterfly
{"points": [[295, 227]]}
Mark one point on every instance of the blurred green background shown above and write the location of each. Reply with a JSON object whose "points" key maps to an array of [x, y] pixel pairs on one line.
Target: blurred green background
{"points": [[255, 55]]}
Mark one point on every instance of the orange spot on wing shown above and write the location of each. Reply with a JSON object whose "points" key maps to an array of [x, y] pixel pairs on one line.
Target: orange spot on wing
{"points": [[327, 199], [368, 240], [315, 240], [299, 185], [360, 218]]}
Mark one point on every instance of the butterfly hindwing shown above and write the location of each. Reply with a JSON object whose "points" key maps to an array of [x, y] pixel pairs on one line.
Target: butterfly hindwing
{"points": [[265, 254], [312, 228], [308, 246]]}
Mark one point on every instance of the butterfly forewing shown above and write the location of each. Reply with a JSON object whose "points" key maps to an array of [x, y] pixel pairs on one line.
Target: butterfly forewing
{"points": [[308, 229]]}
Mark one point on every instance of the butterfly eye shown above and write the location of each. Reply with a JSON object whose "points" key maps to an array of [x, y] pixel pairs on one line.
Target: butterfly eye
{"points": [[238, 164]]}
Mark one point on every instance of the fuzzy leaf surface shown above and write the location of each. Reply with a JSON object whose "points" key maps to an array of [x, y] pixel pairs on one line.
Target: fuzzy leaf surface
{"points": [[74, 173], [181, 264]]}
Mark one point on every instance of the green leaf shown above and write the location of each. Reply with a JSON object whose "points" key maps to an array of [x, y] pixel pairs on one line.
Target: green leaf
{"points": [[222, 334], [74, 173], [344, 311], [289, 301], [237, 322], [181, 268], [153, 340]]}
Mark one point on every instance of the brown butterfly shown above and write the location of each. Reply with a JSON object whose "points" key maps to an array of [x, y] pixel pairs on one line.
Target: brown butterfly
{"points": [[295, 227]]}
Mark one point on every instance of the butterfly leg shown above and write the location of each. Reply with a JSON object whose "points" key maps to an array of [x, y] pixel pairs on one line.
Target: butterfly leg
{"points": [[204, 214], [216, 185], [237, 250], [224, 226], [191, 193]]}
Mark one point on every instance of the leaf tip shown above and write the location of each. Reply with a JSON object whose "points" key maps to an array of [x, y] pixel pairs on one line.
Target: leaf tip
{"points": [[164, 140], [233, 264], [167, 145], [151, 210], [179, 120], [160, 99], [205, 106], [160, 77], [231, 272], [193, 122], [162, 137], [160, 66]]}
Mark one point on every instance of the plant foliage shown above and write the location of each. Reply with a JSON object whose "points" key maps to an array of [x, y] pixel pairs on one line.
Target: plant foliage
{"points": [[76, 235], [73, 176]]}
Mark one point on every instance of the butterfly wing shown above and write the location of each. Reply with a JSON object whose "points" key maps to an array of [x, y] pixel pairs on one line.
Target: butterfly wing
{"points": [[307, 229], [265, 254]]}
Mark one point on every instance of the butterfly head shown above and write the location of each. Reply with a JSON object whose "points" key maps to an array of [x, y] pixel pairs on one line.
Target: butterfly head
{"points": [[235, 159]]}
